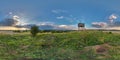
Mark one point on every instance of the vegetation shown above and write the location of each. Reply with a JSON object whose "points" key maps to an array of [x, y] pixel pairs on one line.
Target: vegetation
{"points": [[85, 45], [34, 30]]}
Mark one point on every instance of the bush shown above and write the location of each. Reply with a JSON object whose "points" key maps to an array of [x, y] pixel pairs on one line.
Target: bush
{"points": [[34, 30], [110, 32]]}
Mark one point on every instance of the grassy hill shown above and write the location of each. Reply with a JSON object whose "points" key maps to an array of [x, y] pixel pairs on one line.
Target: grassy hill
{"points": [[84, 45]]}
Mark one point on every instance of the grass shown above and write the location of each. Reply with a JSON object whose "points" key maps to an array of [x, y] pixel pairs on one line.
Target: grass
{"points": [[60, 46]]}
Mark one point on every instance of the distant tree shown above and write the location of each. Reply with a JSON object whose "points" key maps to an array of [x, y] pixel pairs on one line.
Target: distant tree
{"points": [[34, 30], [110, 32]]}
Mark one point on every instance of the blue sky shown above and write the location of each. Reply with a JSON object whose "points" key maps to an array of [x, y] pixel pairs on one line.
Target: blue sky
{"points": [[60, 12]]}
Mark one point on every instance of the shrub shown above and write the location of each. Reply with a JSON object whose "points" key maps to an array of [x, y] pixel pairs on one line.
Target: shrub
{"points": [[110, 32]]}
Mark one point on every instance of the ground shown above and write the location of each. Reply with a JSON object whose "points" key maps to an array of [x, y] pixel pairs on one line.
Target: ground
{"points": [[80, 45]]}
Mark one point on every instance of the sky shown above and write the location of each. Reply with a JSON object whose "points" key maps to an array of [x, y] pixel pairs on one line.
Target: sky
{"points": [[62, 13]]}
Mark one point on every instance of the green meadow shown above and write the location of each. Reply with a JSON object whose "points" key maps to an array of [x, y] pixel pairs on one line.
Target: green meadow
{"points": [[77, 45]]}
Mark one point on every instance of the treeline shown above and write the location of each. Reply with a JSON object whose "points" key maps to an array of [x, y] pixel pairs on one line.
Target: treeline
{"points": [[55, 31], [45, 31]]}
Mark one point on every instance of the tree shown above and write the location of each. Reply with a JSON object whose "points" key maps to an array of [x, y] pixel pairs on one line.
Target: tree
{"points": [[34, 30]]}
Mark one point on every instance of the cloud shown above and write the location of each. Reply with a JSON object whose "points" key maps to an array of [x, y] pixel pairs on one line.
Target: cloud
{"points": [[10, 21], [112, 18], [57, 11], [115, 24], [52, 26], [66, 27], [106, 25], [45, 23], [99, 24], [60, 17], [10, 13], [111, 23], [15, 17]]}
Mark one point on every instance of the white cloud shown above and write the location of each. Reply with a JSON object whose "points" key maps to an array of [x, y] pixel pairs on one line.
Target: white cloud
{"points": [[60, 17], [15, 17], [112, 18], [99, 24], [46, 23], [57, 11], [10, 13], [67, 27], [21, 21]]}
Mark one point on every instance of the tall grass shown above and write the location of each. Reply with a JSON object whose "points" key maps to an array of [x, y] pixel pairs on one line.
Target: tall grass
{"points": [[58, 46]]}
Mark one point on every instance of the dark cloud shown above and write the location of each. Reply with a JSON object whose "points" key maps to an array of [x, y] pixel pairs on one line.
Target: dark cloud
{"points": [[115, 24], [8, 22]]}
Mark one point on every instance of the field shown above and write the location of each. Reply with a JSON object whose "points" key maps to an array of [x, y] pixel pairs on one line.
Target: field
{"points": [[84, 45]]}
